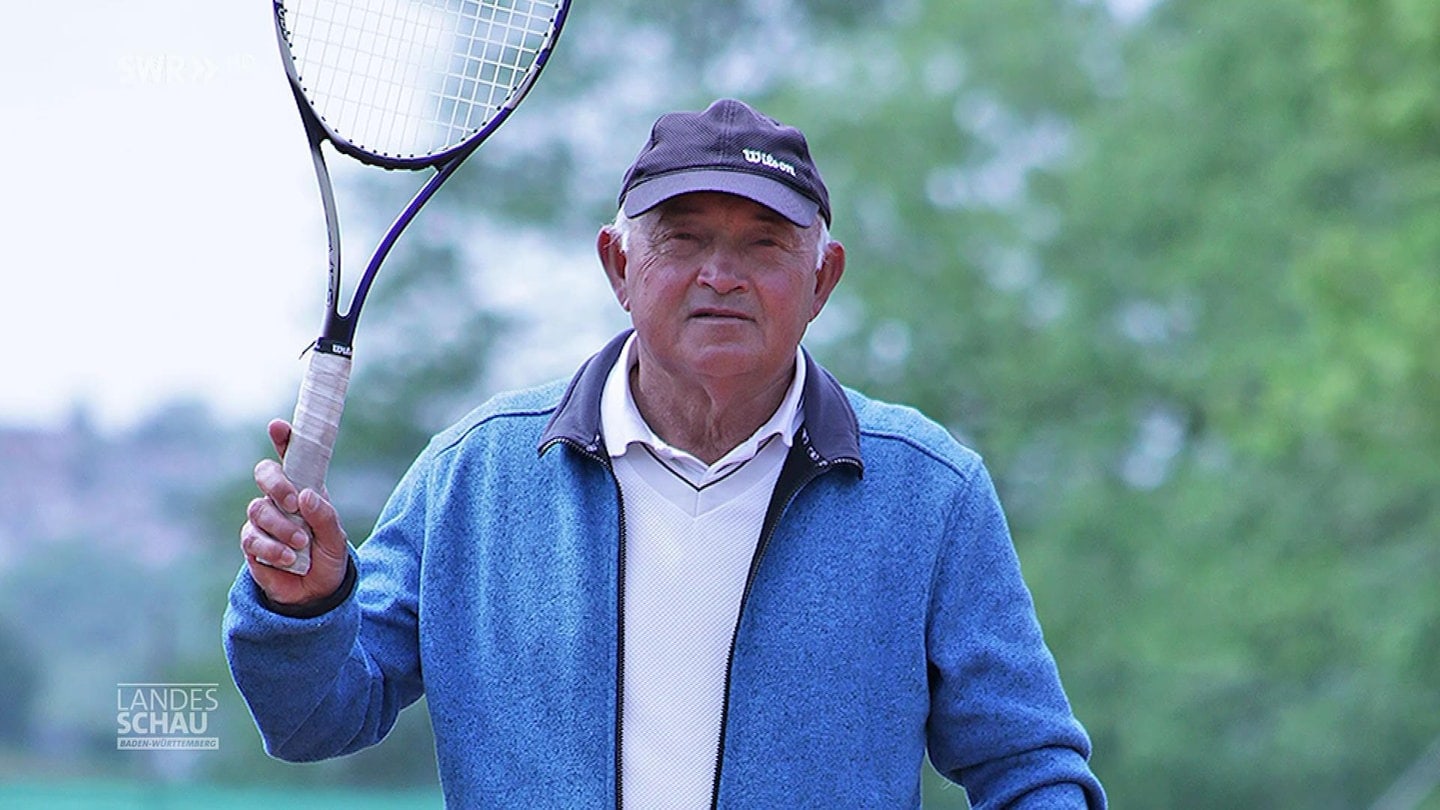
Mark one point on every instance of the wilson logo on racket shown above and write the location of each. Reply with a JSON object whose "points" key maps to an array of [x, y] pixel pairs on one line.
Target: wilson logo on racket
{"points": [[766, 159]]}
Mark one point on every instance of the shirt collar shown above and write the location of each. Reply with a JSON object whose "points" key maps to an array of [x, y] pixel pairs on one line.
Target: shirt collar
{"points": [[829, 438], [622, 425]]}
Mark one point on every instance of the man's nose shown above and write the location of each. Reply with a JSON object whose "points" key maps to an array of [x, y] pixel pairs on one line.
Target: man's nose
{"points": [[722, 271]]}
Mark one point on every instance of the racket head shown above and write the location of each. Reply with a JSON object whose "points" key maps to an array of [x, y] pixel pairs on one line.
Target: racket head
{"points": [[410, 84]]}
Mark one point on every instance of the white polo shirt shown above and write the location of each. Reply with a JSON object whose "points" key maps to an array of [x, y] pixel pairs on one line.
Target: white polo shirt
{"points": [[690, 536]]}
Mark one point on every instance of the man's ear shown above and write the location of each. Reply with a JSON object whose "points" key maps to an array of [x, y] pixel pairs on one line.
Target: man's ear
{"points": [[613, 260], [832, 267]]}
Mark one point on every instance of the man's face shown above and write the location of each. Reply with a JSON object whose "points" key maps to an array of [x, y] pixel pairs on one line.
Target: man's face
{"points": [[720, 287]]}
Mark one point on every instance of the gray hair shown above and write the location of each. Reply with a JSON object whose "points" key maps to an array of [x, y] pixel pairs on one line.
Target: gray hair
{"points": [[624, 226]]}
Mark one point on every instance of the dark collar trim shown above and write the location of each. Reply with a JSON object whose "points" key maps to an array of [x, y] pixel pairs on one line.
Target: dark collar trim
{"points": [[830, 433]]}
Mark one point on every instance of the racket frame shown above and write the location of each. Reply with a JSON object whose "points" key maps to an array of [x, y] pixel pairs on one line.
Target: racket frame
{"points": [[326, 380]]}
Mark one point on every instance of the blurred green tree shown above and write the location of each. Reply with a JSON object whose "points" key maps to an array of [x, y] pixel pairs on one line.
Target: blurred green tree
{"points": [[20, 673], [1175, 277]]}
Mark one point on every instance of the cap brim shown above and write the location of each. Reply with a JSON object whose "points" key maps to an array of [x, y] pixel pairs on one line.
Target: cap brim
{"points": [[772, 194]]}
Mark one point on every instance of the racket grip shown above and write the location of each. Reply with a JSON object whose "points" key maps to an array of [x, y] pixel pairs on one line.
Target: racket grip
{"points": [[314, 428]]}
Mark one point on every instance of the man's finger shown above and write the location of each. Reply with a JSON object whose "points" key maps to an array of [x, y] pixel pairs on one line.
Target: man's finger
{"points": [[263, 548], [279, 431], [270, 478], [265, 516]]}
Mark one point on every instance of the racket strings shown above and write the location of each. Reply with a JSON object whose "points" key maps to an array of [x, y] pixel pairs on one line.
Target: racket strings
{"points": [[414, 78]]}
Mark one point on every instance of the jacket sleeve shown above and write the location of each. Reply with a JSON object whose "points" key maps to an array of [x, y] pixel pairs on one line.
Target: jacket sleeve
{"points": [[1000, 723], [333, 684]]}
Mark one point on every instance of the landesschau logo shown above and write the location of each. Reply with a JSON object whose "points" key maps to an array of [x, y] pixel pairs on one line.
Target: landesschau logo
{"points": [[165, 715], [767, 159]]}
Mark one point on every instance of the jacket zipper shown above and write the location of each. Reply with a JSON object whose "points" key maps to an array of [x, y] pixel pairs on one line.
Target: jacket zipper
{"points": [[594, 451], [619, 642], [730, 657], [816, 467]]}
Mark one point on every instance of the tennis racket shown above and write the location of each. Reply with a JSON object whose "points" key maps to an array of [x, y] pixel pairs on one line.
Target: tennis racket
{"points": [[398, 84]]}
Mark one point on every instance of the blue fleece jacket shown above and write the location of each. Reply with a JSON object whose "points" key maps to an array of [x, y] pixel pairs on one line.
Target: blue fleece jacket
{"points": [[885, 616]]}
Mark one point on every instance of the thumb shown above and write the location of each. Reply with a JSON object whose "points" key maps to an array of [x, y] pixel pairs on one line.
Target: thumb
{"points": [[328, 540]]}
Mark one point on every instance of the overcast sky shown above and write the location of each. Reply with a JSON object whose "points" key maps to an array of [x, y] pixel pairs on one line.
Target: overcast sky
{"points": [[157, 195], [161, 237]]}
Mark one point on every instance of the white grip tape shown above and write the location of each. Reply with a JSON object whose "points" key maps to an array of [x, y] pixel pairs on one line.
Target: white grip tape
{"points": [[314, 428]]}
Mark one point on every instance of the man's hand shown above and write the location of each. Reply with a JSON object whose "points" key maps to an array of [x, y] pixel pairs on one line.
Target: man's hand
{"points": [[273, 532]]}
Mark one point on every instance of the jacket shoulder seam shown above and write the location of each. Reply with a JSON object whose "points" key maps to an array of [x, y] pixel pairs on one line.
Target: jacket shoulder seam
{"points": [[461, 433], [962, 470]]}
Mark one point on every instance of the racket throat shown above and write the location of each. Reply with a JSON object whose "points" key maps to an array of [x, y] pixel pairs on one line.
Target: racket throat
{"points": [[337, 334]]}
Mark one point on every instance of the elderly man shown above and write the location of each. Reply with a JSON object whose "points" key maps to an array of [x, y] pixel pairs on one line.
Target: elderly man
{"points": [[700, 574]]}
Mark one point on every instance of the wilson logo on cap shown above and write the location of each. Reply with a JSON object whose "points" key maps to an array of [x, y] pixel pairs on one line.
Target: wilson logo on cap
{"points": [[730, 148], [767, 159]]}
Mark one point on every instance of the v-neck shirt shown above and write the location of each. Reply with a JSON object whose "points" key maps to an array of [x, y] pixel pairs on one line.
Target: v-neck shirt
{"points": [[690, 536]]}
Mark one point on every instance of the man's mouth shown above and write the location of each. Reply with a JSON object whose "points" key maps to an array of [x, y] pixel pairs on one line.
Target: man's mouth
{"points": [[719, 313]]}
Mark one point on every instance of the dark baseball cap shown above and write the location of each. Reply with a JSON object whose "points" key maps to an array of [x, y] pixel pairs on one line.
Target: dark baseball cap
{"points": [[728, 148]]}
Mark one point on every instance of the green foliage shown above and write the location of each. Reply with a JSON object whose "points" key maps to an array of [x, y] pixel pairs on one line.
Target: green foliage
{"points": [[1197, 350], [21, 675]]}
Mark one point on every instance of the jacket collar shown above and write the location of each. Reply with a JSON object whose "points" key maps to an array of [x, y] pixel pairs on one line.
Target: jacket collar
{"points": [[830, 433]]}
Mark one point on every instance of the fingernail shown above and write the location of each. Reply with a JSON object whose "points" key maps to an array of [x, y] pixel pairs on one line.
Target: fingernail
{"points": [[287, 557], [298, 540], [292, 504]]}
